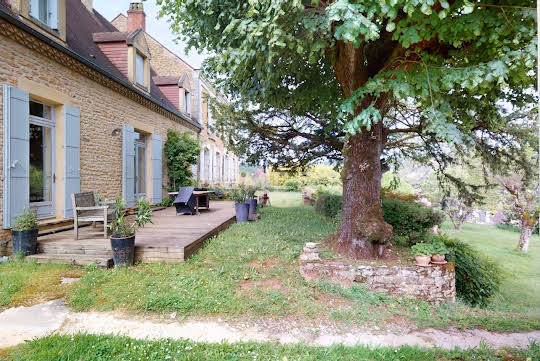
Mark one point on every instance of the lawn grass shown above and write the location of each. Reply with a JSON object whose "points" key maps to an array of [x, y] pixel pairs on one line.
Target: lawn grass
{"points": [[100, 348], [520, 289], [251, 271], [27, 283]]}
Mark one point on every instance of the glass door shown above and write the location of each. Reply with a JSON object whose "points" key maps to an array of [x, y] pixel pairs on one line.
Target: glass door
{"points": [[140, 165], [42, 177]]}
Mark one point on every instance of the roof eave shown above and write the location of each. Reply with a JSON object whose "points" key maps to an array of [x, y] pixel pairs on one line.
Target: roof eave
{"points": [[18, 23]]}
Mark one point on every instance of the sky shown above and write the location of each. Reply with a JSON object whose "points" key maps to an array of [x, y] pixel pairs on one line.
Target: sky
{"points": [[158, 28]]}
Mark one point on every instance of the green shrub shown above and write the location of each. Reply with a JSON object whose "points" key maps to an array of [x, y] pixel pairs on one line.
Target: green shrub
{"points": [[328, 204], [292, 185], [423, 249], [26, 221], [477, 278], [410, 220], [181, 152], [439, 248], [166, 202]]}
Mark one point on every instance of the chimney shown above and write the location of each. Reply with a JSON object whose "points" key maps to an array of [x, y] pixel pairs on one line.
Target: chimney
{"points": [[136, 17], [89, 4]]}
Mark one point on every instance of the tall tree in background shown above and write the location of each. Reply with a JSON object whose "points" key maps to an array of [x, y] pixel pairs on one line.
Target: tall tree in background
{"points": [[523, 190], [525, 202], [359, 81]]}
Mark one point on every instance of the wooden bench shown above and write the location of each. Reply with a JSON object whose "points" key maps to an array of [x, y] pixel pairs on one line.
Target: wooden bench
{"points": [[86, 210]]}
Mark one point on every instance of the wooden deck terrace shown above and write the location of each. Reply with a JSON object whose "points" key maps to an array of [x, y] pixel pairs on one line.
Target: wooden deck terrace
{"points": [[170, 239]]}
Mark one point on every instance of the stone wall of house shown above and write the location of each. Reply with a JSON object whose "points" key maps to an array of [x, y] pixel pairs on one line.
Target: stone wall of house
{"points": [[102, 111], [434, 284], [166, 63], [6, 246]]}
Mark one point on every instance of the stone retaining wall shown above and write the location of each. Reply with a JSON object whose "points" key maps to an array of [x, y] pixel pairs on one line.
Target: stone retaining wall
{"points": [[434, 284]]}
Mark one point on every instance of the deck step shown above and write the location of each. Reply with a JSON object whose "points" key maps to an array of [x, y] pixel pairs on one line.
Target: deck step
{"points": [[72, 259], [94, 251]]}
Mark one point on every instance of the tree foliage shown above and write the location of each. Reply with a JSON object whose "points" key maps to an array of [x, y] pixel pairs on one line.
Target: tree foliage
{"points": [[458, 75], [356, 81], [181, 152]]}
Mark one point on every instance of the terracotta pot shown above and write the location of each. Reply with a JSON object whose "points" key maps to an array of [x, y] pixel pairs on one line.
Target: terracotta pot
{"points": [[423, 260], [437, 258]]}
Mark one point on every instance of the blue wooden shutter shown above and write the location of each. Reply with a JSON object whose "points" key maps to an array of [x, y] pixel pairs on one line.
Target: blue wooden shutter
{"points": [[156, 169], [16, 190], [72, 156], [128, 164]]}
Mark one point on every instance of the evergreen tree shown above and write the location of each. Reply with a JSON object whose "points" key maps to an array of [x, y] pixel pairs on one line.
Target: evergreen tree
{"points": [[366, 83]]}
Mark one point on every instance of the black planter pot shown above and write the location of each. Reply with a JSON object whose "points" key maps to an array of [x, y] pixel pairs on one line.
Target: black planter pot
{"points": [[123, 250], [242, 212], [252, 206], [24, 242]]}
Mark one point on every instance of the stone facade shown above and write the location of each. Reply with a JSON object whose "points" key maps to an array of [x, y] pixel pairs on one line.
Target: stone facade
{"points": [[434, 284], [5, 245], [165, 63], [103, 110]]}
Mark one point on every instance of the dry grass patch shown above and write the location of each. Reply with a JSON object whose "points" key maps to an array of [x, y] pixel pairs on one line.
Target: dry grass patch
{"points": [[247, 286]]}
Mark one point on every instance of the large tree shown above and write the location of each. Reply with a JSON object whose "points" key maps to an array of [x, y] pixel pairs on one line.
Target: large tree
{"points": [[362, 81]]}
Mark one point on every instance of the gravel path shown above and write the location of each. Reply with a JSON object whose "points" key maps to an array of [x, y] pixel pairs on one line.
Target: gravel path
{"points": [[23, 323]]}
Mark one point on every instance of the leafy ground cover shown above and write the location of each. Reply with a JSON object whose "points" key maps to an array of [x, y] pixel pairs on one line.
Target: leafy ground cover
{"points": [[251, 270], [97, 348]]}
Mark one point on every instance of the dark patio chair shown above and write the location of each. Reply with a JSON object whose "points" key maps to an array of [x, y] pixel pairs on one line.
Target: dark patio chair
{"points": [[185, 201]]}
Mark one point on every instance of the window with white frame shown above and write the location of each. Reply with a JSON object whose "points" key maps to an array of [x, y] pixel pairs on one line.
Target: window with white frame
{"points": [[46, 11], [187, 102], [139, 69]]}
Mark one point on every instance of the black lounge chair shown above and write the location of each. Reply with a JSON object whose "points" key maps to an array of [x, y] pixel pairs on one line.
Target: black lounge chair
{"points": [[185, 201]]}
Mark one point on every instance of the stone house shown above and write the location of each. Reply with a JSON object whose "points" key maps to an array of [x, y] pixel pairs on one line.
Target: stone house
{"points": [[186, 88], [81, 109]]}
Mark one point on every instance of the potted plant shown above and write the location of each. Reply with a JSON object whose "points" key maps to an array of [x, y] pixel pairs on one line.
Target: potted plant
{"points": [[439, 251], [252, 201], [123, 232], [422, 252], [239, 196], [24, 233]]}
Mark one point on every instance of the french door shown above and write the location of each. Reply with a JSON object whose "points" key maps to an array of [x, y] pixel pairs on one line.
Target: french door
{"points": [[42, 160], [140, 166]]}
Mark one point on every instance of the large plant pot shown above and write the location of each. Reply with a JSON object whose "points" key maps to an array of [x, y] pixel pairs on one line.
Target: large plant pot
{"points": [[252, 206], [437, 258], [423, 260], [242, 212], [24, 242], [123, 249]]}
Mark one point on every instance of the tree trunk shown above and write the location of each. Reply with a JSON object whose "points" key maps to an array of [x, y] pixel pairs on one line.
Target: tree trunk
{"points": [[526, 230], [362, 231]]}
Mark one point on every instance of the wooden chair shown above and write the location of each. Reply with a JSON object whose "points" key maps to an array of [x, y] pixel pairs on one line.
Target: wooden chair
{"points": [[86, 210]]}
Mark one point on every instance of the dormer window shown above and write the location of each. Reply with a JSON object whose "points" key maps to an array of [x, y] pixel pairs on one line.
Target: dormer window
{"points": [[139, 69], [45, 11]]}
